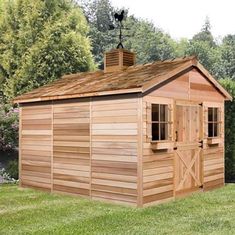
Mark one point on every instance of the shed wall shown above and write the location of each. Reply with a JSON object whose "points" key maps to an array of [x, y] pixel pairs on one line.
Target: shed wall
{"points": [[36, 146], [71, 147], [84, 146], [114, 149], [213, 155], [158, 166]]}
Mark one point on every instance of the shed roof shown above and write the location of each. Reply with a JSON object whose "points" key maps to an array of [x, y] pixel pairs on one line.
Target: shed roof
{"points": [[137, 78]]}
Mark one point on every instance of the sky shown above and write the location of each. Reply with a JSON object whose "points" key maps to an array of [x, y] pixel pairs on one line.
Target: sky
{"points": [[184, 18]]}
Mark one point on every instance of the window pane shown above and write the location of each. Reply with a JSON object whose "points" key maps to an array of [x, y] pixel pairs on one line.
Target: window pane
{"points": [[163, 131], [155, 131], [163, 113], [210, 129], [210, 114], [215, 116], [215, 129], [155, 112]]}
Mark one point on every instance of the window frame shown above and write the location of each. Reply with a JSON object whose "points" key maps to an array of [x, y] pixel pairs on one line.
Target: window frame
{"points": [[166, 122], [214, 122]]}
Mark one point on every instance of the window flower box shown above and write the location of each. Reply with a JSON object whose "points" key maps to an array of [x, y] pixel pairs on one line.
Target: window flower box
{"points": [[211, 141], [160, 145]]}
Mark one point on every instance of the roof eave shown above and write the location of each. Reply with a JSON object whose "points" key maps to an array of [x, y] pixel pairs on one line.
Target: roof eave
{"points": [[73, 96]]}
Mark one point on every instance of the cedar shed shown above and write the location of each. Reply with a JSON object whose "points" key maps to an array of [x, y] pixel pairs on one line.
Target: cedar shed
{"points": [[133, 134]]}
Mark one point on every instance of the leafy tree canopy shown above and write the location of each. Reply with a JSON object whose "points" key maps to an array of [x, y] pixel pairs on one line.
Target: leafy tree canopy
{"points": [[205, 34], [204, 47], [227, 63], [39, 42]]}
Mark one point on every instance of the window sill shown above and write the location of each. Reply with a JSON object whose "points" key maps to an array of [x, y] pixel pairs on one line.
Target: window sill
{"points": [[163, 144], [213, 140]]}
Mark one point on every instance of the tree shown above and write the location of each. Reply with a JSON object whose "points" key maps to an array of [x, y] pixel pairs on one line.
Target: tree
{"points": [[39, 42], [148, 42], [181, 46], [204, 47], [205, 34], [99, 14], [227, 63]]}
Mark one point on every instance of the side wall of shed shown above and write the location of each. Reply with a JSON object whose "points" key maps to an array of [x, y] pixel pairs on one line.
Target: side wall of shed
{"points": [[88, 147], [35, 146], [71, 147], [114, 148]]}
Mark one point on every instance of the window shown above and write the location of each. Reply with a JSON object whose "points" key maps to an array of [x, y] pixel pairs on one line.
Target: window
{"points": [[213, 122], [160, 123]]}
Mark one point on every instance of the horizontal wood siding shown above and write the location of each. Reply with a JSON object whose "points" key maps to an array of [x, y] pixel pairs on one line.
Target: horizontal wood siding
{"points": [[202, 89], [71, 147], [213, 155], [36, 146], [177, 89], [213, 168], [190, 86], [114, 149], [157, 165]]}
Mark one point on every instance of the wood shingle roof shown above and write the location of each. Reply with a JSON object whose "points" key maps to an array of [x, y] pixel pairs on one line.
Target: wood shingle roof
{"points": [[137, 78]]}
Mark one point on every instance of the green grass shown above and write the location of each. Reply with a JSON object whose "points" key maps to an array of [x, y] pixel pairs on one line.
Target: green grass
{"points": [[33, 212]]}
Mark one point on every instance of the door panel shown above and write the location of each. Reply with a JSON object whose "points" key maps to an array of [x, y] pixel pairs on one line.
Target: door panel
{"points": [[188, 150], [187, 123]]}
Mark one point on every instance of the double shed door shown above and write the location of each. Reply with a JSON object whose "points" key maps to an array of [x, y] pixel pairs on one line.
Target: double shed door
{"points": [[188, 146]]}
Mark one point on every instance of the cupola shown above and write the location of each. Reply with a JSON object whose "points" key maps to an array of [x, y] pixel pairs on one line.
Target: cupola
{"points": [[118, 59]]}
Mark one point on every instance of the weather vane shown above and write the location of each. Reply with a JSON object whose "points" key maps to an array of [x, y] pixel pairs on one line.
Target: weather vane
{"points": [[118, 19]]}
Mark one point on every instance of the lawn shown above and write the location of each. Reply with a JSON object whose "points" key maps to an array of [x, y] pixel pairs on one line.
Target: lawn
{"points": [[33, 212]]}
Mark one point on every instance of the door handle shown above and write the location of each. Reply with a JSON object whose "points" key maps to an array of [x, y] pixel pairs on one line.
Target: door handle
{"points": [[201, 142], [176, 136]]}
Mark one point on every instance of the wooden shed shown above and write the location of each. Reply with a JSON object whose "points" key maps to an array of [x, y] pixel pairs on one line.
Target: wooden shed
{"points": [[135, 134]]}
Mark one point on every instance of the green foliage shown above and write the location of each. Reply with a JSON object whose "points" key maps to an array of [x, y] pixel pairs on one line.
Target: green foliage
{"points": [[8, 129], [12, 169], [99, 14], [205, 34], [205, 48], [148, 42], [227, 63], [208, 56], [39, 42], [181, 46], [229, 85]]}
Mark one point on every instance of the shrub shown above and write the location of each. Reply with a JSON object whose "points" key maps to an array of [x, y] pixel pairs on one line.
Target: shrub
{"points": [[229, 134], [8, 129], [6, 177], [12, 169]]}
